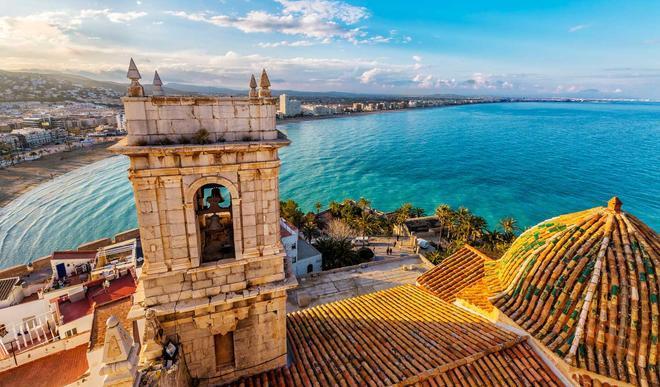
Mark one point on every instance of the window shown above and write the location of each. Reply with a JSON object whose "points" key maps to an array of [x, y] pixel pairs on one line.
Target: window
{"points": [[310, 268], [71, 332], [224, 350], [215, 221]]}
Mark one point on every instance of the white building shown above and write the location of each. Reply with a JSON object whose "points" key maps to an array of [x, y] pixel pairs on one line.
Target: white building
{"points": [[69, 263], [34, 137], [11, 292], [289, 107], [121, 122], [304, 257], [12, 140]]}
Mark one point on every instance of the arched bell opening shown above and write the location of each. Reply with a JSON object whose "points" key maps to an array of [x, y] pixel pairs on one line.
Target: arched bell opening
{"points": [[213, 209]]}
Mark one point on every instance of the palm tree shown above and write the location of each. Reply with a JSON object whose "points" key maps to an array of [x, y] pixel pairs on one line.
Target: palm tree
{"points": [[365, 224], [309, 228], [509, 225], [445, 216], [363, 203], [476, 228], [318, 206], [335, 208]]}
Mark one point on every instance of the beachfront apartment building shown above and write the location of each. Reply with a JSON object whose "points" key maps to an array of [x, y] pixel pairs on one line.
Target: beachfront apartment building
{"points": [[33, 137], [11, 141], [289, 107]]}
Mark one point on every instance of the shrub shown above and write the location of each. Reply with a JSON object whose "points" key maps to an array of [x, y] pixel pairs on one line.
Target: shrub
{"points": [[201, 137], [184, 140], [365, 254]]}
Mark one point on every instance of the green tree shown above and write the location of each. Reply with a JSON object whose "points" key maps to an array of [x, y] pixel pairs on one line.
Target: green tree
{"points": [[363, 204], [290, 211], [366, 224], [336, 252], [446, 217], [402, 214], [309, 227], [318, 206], [435, 257], [477, 226], [335, 208], [509, 226]]}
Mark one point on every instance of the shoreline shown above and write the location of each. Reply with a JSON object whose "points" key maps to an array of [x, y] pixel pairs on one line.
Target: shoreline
{"points": [[23, 177]]}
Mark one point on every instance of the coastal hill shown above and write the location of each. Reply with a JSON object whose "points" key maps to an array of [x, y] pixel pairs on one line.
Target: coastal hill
{"points": [[57, 86]]}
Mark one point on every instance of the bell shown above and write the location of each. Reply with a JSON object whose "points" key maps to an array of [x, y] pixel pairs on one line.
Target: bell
{"points": [[215, 200], [214, 223], [216, 194]]}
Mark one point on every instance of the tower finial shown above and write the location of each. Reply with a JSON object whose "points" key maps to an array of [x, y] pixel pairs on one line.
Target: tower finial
{"points": [[614, 204], [157, 85], [135, 89], [264, 83], [253, 87]]}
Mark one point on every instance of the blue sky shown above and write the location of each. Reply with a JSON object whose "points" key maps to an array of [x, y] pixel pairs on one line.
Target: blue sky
{"points": [[552, 48]]}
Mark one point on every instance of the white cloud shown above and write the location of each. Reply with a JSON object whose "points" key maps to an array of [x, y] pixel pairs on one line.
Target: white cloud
{"points": [[114, 17], [417, 58], [26, 40], [578, 27], [315, 19], [323, 9], [295, 43]]}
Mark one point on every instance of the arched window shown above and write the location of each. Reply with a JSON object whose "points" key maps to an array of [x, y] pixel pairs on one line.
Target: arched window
{"points": [[216, 226], [310, 268]]}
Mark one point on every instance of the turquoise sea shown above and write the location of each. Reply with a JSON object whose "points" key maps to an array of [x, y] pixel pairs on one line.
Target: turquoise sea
{"points": [[528, 160]]}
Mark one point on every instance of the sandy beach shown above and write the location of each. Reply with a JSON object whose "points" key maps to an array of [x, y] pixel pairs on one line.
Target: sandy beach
{"points": [[22, 177]]}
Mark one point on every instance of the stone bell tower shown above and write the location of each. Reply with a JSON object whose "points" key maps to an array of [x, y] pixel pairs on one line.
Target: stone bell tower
{"points": [[204, 172]]}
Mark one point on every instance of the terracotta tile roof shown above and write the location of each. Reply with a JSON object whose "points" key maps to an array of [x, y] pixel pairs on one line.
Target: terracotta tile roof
{"points": [[6, 286], [585, 284], [462, 275], [73, 254], [400, 335], [118, 309], [59, 369]]}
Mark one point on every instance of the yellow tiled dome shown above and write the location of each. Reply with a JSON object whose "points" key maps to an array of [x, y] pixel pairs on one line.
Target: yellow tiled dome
{"points": [[585, 284]]}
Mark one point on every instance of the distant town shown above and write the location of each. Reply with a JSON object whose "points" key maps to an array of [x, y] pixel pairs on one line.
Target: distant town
{"points": [[42, 114]]}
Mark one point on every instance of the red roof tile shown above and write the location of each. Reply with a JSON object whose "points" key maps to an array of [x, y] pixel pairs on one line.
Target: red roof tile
{"points": [[55, 370], [119, 309], [400, 335], [461, 275]]}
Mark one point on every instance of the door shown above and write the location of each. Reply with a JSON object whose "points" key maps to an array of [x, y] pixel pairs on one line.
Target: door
{"points": [[61, 270]]}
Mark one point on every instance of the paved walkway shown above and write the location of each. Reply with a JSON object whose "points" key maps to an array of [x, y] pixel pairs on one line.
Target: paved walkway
{"points": [[339, 284]]}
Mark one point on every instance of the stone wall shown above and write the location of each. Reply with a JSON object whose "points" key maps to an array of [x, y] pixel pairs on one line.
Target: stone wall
{"points": [[259, 333], [192, 300], [159, 119], [165, 183]]}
